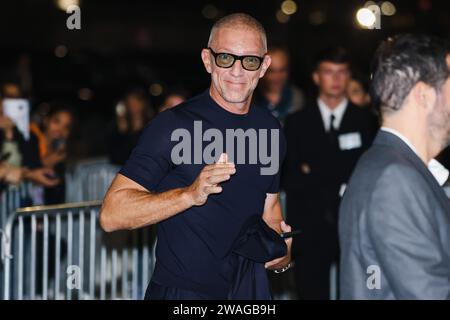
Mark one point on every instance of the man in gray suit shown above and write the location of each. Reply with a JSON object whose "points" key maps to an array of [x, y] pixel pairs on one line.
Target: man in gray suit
{"points": [[394, 224]]}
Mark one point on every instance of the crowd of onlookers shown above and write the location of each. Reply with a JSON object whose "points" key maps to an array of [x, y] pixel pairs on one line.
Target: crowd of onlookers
{"points": [[38, 157], [41, 156], [325, 137]]}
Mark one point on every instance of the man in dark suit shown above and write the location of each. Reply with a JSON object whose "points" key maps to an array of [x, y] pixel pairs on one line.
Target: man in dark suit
{"points": [[324, 142], [394, 224]]}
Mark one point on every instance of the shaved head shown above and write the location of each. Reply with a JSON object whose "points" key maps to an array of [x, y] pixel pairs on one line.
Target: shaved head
{"points": [[239, 21], [235, 35]]}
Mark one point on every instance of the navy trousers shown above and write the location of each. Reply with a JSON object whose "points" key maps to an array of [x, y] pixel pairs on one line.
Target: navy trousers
{"points": [[158, 292]]}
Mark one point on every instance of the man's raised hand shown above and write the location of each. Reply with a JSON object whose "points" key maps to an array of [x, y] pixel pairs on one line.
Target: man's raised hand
{"points": [[209, 179]]}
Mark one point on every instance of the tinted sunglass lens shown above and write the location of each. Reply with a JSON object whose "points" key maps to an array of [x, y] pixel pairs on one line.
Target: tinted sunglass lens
{"points": [[224, 60], [251, 63]]}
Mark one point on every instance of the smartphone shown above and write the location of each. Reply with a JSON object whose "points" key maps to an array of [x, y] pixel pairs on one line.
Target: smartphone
{"points": [[18, 110], [286, 235]]}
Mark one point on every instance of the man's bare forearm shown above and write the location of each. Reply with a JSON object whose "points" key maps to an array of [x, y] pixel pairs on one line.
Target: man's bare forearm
{"points": [[131, 208], [128, 205], [272, 212]]}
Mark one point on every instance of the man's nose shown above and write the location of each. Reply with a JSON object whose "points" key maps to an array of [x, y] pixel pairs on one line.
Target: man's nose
{"points": [[336, 76], [236, 69]]}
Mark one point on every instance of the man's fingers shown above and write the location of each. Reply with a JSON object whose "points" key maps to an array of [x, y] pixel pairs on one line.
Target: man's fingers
{"points": [[285, 227], [223, 158], [217, 179], [216, 173], [221, 171], [218, 166], [213, 189], [273, 263]]}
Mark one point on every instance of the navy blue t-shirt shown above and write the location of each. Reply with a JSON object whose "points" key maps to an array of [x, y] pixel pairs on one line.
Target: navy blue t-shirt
{"points": [[194, 246]]}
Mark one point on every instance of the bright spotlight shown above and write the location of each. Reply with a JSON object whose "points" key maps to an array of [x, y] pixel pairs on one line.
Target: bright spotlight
{"points": [[366, 17]]}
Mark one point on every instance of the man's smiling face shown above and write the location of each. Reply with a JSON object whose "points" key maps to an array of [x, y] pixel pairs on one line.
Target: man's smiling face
{"points": [[235, 84]]}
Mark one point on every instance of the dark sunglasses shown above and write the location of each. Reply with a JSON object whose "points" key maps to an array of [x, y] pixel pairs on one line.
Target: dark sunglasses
{"points": [[227, 60]]}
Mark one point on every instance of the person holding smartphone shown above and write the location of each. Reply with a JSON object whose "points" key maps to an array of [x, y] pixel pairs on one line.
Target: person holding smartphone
{"points": [[52, 137], [20, 157]]}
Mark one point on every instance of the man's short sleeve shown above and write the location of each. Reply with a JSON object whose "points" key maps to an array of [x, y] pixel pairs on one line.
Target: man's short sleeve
{"points": [[150, 160]]}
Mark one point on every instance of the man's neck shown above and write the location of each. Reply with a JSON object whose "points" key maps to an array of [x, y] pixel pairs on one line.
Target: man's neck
{"points": [[237, 108], [331, 101], [416, 135]]}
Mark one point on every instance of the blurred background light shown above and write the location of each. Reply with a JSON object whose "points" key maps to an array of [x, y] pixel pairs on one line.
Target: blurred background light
{"points": [[61, 51], [64, 4], [288, 7], [366, 17], [85, 94], [156, 89], [369, 3], [388, 8]]}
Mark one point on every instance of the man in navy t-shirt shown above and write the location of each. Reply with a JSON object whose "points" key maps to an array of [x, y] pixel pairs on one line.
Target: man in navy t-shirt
{"points": [[202, 169]]}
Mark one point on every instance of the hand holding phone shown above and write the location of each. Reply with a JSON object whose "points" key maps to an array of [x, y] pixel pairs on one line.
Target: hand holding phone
{"points": [[286, 235], [18, 110]]}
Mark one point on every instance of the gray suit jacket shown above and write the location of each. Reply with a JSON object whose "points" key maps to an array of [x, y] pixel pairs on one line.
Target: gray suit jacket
{"points": [[394, 227]]}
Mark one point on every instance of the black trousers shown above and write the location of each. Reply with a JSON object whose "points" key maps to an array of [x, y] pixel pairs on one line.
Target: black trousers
{"points": [[158, 292], [312, 277], [314, 254]]}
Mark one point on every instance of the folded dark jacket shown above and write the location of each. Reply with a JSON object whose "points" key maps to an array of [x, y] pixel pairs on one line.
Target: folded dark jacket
{"points": [[255, 245]]}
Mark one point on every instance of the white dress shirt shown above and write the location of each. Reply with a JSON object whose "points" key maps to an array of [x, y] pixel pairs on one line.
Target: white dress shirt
{"points": [[439, 172], [326, 113]]}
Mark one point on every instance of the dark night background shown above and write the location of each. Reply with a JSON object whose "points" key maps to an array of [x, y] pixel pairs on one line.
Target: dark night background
{"points": [[123, 44]]}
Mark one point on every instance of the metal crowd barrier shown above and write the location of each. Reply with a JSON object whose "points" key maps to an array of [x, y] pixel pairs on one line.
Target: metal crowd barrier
{"points": [[60, 252], [13, 197], [89, 180], [44, 247]]}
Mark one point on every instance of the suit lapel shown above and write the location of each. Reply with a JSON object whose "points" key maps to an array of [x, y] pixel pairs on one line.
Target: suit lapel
{"points": [[316, 124], [387, 138], [317, 121], [347, 119]]}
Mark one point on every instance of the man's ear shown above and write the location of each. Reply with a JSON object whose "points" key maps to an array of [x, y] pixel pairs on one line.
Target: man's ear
{"points": [[265, 65], [315, 78], [424, 96], [206, 58]]}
